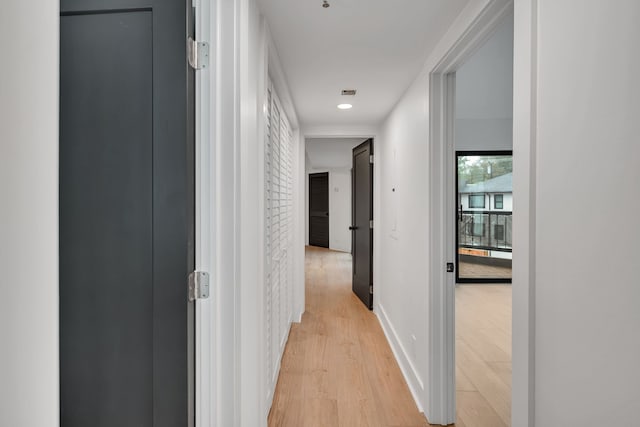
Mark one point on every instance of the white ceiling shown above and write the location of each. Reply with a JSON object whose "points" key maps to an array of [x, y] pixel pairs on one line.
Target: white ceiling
{"points": [[375, 46], [330, 153]]}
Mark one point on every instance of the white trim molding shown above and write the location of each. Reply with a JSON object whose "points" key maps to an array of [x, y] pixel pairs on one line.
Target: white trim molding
{"points": [[525, 109], [205, 18]]}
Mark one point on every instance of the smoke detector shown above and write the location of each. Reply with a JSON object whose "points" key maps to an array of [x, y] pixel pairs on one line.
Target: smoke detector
{"points": [[325, 4], [348, 92]]}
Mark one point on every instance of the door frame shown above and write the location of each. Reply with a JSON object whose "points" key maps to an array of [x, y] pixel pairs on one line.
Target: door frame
{"points": [[204, 18], [441, 368]]}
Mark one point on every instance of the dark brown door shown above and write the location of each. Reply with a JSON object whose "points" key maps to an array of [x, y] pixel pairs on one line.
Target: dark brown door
{"points": [[126, 214], [362, 226], [319, 209]]}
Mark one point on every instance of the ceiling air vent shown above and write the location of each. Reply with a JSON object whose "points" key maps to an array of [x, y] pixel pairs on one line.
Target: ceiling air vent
{"points": [[348, 92]]}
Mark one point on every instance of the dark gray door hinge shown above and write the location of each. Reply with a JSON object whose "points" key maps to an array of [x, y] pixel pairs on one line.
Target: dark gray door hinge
{"points": [[371, 289], [198, 285], [371, 158]]}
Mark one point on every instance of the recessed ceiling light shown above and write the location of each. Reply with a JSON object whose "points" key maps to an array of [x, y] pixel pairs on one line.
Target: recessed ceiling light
{"points": [[344, 106]]}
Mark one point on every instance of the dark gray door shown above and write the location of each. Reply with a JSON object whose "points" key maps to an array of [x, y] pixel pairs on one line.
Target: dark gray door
{"points": [[319, 209], [362, 222], [126, 214]]}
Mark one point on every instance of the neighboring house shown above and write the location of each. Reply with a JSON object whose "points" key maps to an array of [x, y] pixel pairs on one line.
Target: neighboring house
{"points": [[485, 217], [495, 194]]}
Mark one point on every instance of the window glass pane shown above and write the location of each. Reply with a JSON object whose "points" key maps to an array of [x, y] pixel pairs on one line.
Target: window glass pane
{"points": [[498, 201], [476, 200]]}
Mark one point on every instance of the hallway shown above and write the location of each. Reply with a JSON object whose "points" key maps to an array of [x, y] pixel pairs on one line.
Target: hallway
{"points": [[337, 368]]}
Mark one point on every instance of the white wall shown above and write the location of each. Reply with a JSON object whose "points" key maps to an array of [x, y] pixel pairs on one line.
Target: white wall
{"points": [[340, 210], [587, 291], [29, 214], [332, 152], [401, 291], [483, 134], [484, 94], [339, 207], [400, 287]]}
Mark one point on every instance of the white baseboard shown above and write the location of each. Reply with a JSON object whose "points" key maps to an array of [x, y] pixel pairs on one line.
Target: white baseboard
{"points": [[415, 383]]}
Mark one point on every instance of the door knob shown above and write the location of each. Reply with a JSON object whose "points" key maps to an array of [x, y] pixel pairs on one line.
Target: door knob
{"points": [[353, 227]]}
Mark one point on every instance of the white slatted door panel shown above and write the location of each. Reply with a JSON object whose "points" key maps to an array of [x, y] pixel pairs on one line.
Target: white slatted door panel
{"points": [[276, 231], [268, 299], [278, 236], [285, 227], [289, 193]]}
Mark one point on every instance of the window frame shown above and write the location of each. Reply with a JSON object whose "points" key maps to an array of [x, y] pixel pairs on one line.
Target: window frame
{"points": [[459, 207], [495, 201]]}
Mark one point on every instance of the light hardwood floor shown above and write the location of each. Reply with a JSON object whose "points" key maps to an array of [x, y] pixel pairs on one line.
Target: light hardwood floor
{"points": [[338, 369], [483, 355]]}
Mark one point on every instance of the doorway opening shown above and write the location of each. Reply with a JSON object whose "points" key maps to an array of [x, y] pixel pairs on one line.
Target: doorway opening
{"points": [[319, 209], [339, 173], [470, 308], [483, 197]]}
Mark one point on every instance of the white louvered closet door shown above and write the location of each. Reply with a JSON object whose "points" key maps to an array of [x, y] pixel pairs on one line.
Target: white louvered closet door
{"points": [[278, 236]]}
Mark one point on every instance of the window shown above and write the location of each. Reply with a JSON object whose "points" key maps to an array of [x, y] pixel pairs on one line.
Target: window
{"points": [[484, 191], [476, 201]]}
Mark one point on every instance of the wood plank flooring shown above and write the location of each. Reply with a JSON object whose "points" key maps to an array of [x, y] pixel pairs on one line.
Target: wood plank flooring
{"points": [[483, 355], [468, 269], [338, 369]]}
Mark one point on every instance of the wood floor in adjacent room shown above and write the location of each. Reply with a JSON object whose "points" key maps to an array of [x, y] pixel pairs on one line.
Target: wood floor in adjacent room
{"points": [[483, 355], [338, 369]]}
